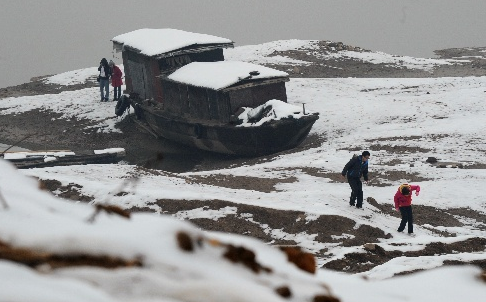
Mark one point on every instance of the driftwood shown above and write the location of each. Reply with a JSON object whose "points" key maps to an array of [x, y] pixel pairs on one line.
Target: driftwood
{"points": [[16, 143], [68, 160]]}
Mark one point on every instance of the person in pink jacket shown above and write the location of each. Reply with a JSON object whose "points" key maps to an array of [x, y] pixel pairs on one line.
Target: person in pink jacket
{"points": [[116, 80], [403, 203]]}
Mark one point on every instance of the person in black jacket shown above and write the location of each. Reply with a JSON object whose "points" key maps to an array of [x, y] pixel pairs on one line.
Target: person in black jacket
{"points": [[104, 79], [354, 169]]}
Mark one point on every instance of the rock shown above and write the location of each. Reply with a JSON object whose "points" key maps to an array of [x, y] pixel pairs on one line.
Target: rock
{"points": [[369, 246], [284, 291], [431, 160]]}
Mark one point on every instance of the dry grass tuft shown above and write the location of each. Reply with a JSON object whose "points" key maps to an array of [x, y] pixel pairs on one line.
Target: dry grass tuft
{"points": [[483, 276], [34, 258], [236, 254], [110, 209], [239, 254], [304, 261]]}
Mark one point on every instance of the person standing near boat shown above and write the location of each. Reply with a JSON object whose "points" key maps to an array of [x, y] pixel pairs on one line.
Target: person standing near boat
{"points": [[116, 80], [353, 170], [104, 79]]}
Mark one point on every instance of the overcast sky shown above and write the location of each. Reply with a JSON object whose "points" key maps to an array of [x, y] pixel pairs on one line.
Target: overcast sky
{"points": [[53, 36]]}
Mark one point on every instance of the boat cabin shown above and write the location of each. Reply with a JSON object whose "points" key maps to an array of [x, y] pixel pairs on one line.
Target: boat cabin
{"points": [[150, 53], [187, 77], [216, 91]]}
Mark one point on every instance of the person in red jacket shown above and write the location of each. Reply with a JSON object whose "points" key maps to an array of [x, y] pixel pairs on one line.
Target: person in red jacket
{"points": [[116, 80], [403, 203]]}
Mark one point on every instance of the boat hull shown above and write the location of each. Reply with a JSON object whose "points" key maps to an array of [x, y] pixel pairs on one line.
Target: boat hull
{"points": [[271, 137]]}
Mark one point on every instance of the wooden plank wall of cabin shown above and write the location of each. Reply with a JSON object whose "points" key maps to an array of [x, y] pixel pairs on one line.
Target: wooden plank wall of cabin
{"points": [[193, 102], [184, 99], [151, 81], [264, 93], [128, 76], [156, 91], [198, 104], [137, 75], [224, 107], [256, 95], [213, 105], [140, 74], [241, 98], [171, 97]]}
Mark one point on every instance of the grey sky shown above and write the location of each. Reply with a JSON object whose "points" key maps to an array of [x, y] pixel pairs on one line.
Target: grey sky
{"points": [[52, 36]]}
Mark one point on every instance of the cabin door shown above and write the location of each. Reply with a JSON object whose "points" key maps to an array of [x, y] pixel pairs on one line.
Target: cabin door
{"points": [[138, 75]]}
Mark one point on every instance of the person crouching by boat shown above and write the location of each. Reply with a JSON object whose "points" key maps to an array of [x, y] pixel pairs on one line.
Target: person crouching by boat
{"points": [[116, 80], [403, 203], [104, 79], [353, 170]]}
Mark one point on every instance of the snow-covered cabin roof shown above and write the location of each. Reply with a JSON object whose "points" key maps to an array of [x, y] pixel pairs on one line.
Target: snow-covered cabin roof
{"points": [[154, 42], [219, 75]]}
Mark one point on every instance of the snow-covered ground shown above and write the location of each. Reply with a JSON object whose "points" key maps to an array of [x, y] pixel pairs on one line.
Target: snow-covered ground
{"points": [[51, 228], [433, 117]]}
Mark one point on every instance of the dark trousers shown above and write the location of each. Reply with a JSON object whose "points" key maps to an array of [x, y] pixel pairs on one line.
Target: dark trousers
{"points": [[407, 216], [356, 192], [117, 92]]}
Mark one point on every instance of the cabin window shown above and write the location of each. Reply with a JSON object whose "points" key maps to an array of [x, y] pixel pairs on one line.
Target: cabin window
{"points": [[214, 55]]}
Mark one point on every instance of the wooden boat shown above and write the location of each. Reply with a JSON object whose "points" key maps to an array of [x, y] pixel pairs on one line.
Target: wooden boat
{"points": [[181, 87], [52, 158]]}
